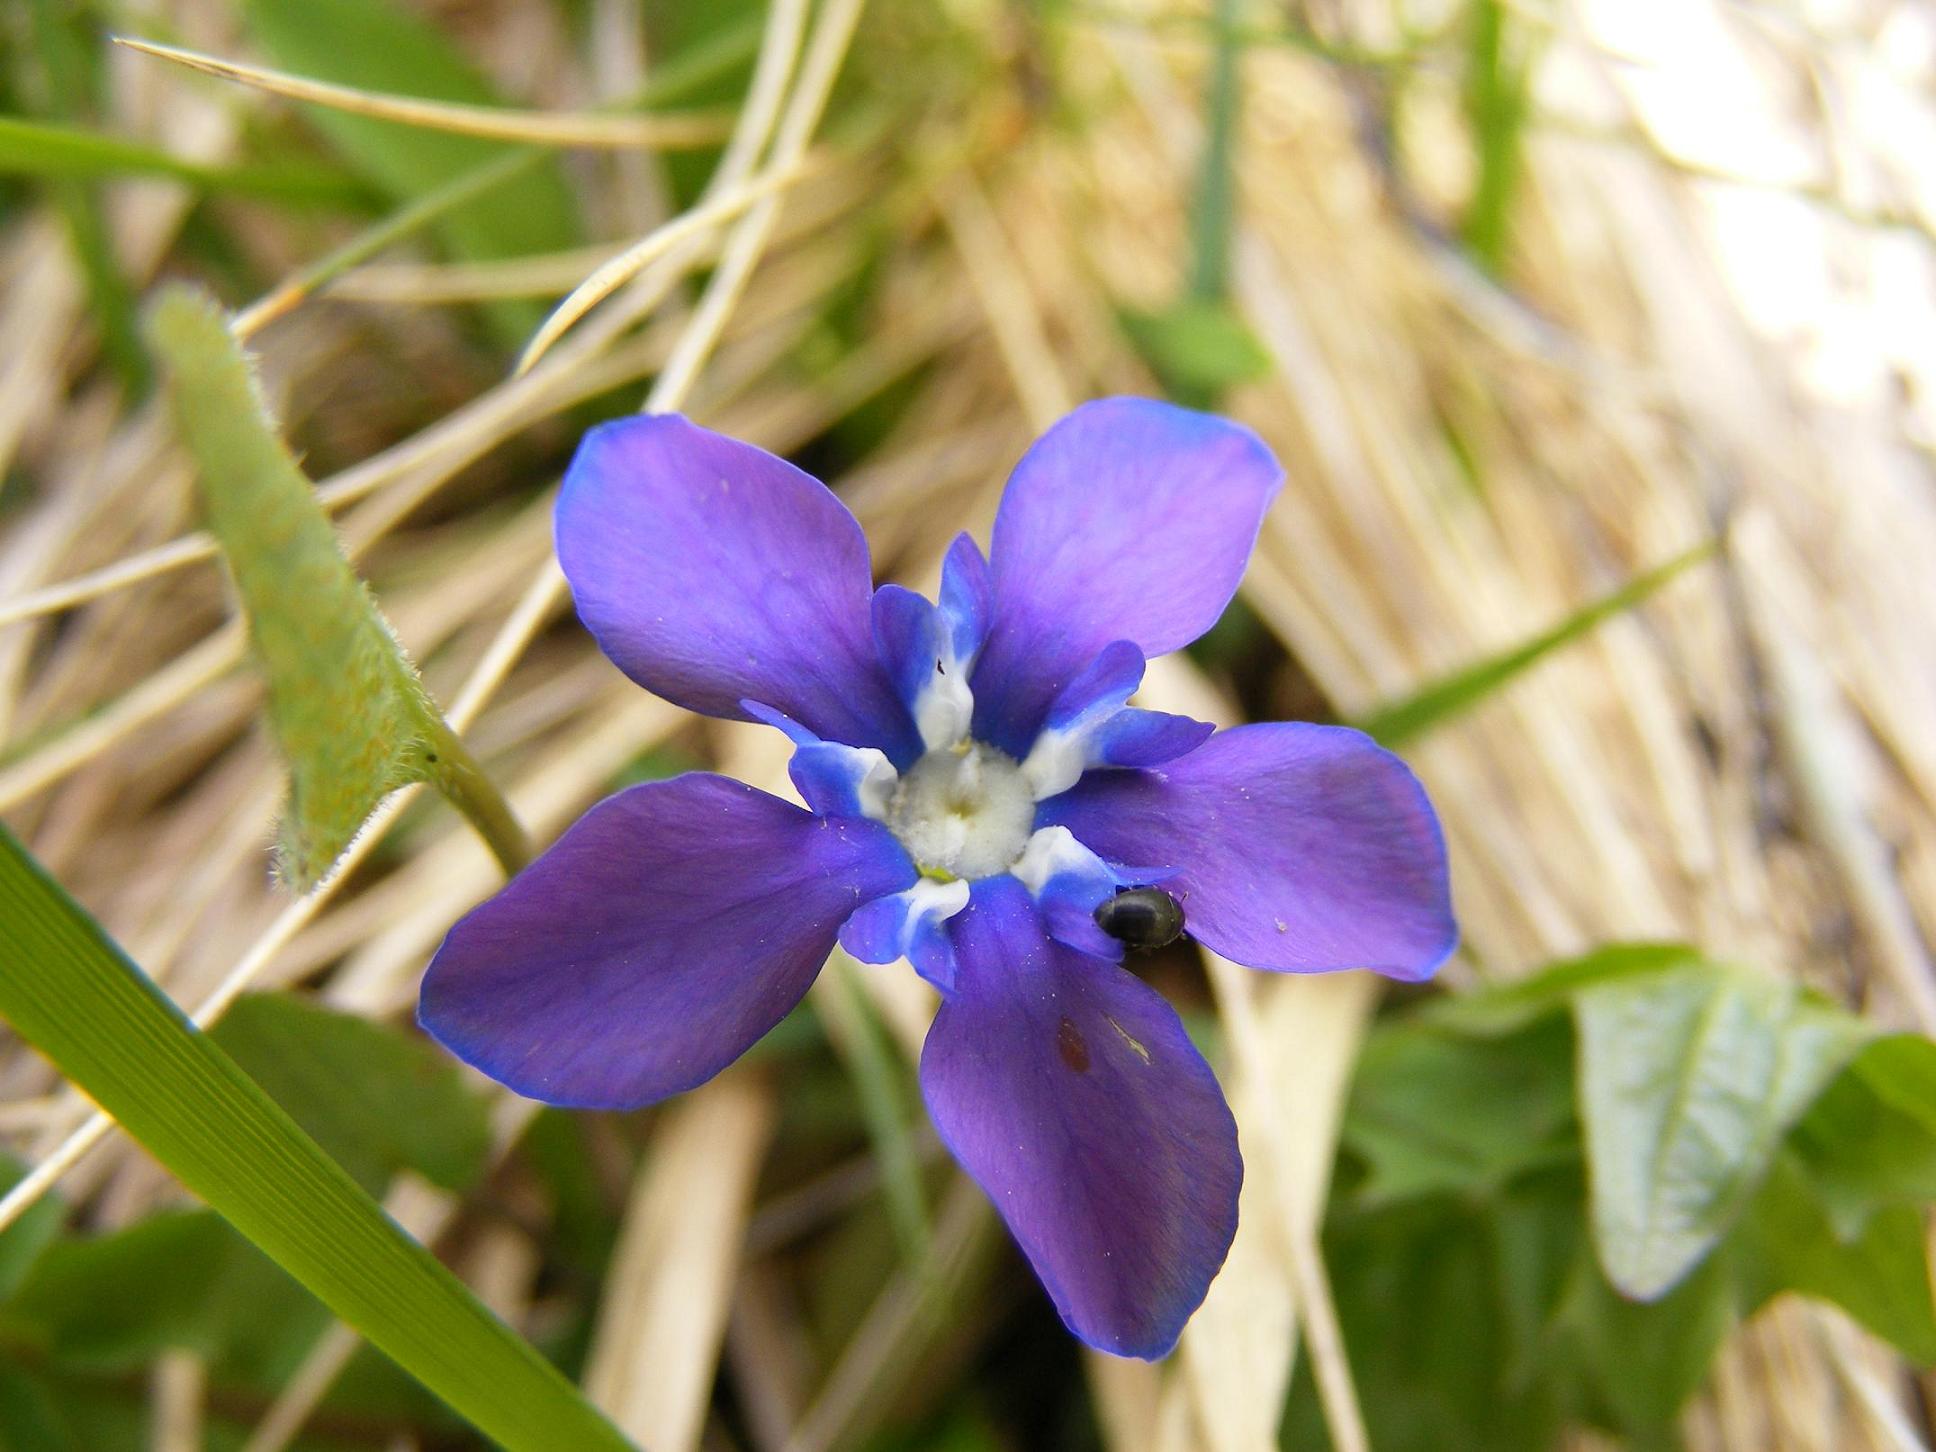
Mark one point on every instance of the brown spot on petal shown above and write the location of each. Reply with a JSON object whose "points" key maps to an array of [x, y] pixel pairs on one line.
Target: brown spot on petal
{"points": [[1070, 1044]]}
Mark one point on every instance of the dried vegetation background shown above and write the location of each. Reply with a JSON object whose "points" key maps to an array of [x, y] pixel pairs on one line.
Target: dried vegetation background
{"points": [[1748, 761]]}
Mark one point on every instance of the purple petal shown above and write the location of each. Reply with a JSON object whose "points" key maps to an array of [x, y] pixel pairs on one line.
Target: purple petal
{"points": [[1302, 848], [654, 943], [1070, 1092], [711, 573], [1129, 520]]}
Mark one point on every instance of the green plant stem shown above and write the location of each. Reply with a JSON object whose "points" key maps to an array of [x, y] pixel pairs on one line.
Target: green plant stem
{"points": [[1210, 218], [468, 788]]}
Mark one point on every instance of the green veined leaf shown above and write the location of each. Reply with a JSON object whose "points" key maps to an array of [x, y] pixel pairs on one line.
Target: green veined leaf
{"points": [[1687, 1079], [43, 149], [1435, 1112], [1443, 699], [68, 991], [1878, 1273], [353, 720], [383, 47], [1870, 1141], [377, 1100]]}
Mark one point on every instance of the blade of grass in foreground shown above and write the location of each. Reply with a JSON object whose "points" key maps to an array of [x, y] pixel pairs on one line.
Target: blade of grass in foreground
{"points": [[1399, 722], [47, 149], [69, 991]]}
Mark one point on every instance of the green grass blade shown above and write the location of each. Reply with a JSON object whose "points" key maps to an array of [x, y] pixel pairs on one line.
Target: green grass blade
{"points": [[45, 149], [70, 77], [885, 1093], [1497, 99], [1401, 721], [66, 988]]}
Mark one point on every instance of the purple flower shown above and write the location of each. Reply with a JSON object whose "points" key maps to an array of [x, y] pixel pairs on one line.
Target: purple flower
{"points": [[977, 786]]}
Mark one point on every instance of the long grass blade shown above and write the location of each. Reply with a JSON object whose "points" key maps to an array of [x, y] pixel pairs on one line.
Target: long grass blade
{"points": [[47, 149], [1401, 721], [70, 992]]}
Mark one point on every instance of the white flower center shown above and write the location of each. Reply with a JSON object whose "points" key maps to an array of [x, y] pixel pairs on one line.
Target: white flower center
{"points": [[965, 810]]}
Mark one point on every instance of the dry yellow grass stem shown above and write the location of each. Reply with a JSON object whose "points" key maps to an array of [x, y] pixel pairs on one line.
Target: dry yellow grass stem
{"points": [[615, 273], [663, 132], [664, 1312]]}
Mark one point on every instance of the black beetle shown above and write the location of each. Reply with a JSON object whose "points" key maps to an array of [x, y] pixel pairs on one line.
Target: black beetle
{"points": [[1141, 917]]}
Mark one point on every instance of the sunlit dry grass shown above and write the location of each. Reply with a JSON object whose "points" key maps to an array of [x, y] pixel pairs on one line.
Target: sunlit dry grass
{"points": [[1747, 761]]}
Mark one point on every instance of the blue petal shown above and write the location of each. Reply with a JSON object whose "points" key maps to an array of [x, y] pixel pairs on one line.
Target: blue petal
{"points": [[1070, 1092], [929, 650], [832, 779], [1091, 723], [910, 925], [1129, 520], [1068, 883], [712, 573], [654, 943], [1301, 848]]}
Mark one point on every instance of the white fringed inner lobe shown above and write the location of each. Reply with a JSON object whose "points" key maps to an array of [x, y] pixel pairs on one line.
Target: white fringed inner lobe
{"points": [[963, 810]]}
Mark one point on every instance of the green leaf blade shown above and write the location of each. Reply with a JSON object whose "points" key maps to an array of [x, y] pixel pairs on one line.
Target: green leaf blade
{"points": [[67, 990], [1687, 1080]]}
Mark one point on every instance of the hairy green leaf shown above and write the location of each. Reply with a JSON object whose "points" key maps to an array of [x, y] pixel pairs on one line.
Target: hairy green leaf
{"points": [[1438, 702], [349, 713], [68, 991], [1687, 1079], [378, 1100]]}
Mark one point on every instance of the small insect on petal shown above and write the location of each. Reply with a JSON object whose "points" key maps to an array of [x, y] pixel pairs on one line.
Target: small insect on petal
{"points": [[1141, 917]]}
